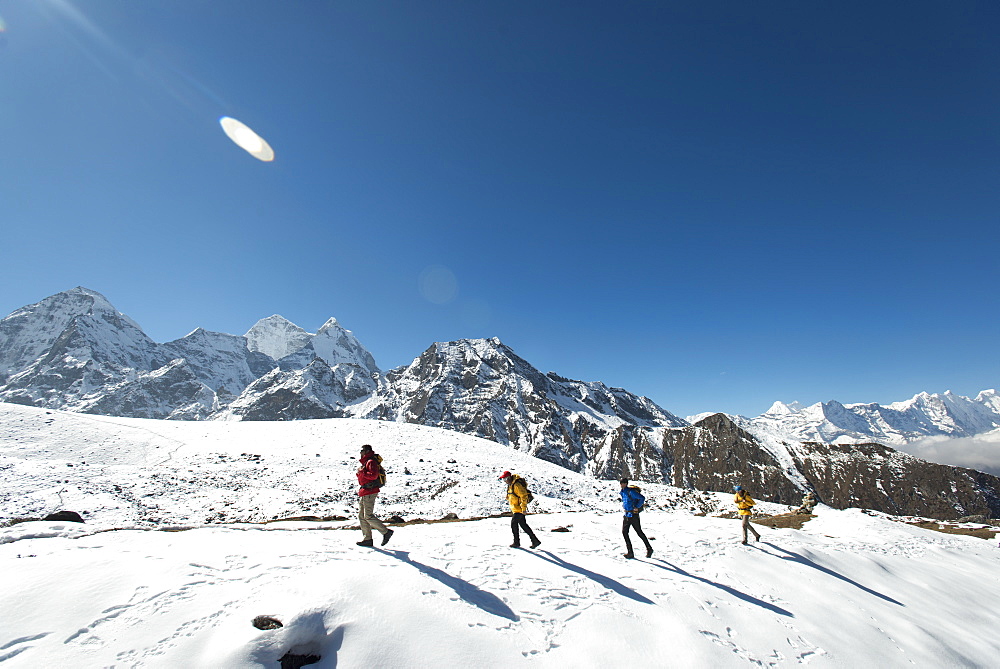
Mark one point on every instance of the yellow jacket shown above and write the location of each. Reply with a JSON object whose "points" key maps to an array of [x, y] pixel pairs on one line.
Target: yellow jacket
{"points": [[517, 495], [744, 503]]}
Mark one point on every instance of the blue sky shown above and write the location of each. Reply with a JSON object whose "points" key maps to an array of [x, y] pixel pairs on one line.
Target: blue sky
{"points": [[714, 204]]}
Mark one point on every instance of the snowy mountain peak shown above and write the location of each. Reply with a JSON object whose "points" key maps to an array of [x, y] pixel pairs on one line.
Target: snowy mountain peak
{"points": [[32, 330], [331, 323], [277, 337], [782, 409], [923, 415], [336, 346]]}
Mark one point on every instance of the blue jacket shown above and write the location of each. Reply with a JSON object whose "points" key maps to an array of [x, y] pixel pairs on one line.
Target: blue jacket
{"points": [[631, 499]]}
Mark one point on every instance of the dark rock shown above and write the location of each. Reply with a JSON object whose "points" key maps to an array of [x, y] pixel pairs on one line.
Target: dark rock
{"points": [[873, 476], [266, 623], [560, 529], [64, 516], [395, 519], [450, 516], [293, 661]]}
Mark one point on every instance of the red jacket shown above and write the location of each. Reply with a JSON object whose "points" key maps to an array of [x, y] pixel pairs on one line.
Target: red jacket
{"points": [[368, 472]]}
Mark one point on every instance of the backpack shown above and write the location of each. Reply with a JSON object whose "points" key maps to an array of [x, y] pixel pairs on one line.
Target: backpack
{"points": [[527, 500], [380, 481], [637, 496]]}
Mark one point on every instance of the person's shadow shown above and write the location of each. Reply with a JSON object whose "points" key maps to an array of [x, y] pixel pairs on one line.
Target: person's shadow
{"points": [[609, 583], [725, 588], [801, 559], [482, 599]]}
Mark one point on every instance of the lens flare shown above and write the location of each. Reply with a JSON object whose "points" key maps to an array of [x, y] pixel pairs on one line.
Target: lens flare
{"points": [[438, 284], [247, 139]]}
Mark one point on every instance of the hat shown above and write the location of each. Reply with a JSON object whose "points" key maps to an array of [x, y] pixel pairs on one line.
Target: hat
{"points": [[505, 475], [737, 488], [367, 447], [625, 481]]}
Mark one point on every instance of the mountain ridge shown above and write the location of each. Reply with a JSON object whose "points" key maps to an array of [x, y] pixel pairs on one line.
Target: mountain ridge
{"points": [[102, 362]]}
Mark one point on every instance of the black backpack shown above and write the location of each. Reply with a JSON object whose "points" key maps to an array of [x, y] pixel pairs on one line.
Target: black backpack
{"points": [[510, 488], [530, 496]]}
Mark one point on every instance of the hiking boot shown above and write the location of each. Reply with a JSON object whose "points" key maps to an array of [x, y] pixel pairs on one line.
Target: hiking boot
{"points": [[649, 552], [515, 545], [367, 543], [628, 556], [387, 536], [757, 538], [535, 543], [744, 542]]}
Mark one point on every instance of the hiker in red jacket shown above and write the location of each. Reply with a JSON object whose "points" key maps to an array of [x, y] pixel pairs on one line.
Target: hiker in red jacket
{"points": [[369, 479]]}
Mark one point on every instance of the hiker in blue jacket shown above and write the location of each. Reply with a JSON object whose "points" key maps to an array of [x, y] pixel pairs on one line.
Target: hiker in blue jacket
{"points": [[633, 500]]}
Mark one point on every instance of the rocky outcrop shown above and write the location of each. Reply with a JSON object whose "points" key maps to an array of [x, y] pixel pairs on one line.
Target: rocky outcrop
{"points": [[716, 454], [482, 387], [170, 392], [316, 391], [877, 477], [220, 361]]}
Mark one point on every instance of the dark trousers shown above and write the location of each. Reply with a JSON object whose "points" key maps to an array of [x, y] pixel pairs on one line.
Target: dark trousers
{"points": [[516, 521], [634, 523]]}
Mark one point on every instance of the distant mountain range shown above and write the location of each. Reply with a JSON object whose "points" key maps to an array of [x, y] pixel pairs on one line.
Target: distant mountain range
{"points": [[896, 424], [74, 351]]}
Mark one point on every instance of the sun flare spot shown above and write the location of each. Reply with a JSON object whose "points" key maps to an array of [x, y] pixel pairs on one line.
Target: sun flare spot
{"points": [[247, 139]]}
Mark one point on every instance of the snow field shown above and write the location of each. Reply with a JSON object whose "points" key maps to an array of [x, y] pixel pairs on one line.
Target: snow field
{"points": [[849, 589], [129, 471]]}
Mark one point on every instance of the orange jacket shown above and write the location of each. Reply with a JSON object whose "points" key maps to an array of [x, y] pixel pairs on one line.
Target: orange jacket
{"points": [[517, 495], [744, 503]]}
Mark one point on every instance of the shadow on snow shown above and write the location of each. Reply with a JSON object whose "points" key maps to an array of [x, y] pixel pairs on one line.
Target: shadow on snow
{"points": [[486, 601], [609, 583], [801, 559], [732, 591]]}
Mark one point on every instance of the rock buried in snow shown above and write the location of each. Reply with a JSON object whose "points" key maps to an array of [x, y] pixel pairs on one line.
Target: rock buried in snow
{"points": [[395, 519], [65, 516], [292, 661], [560, 529], [450, 516], [267, 623]]}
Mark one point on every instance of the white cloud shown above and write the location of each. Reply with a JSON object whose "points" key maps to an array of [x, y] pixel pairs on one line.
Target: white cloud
{"points": [[981, 452]]}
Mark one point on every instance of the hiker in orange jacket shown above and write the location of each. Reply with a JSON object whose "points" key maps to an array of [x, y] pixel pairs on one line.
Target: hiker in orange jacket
{"points": [[744, 503], [518, 498]]}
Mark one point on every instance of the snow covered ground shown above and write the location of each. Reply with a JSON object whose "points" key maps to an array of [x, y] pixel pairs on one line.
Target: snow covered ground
{"points": [[848, 590]]}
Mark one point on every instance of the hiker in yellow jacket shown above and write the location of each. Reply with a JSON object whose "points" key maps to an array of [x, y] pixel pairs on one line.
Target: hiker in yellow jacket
{"points": [[518, 498], [745, 505]]}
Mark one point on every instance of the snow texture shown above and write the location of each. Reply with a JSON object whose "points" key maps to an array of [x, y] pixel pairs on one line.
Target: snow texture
{"points": [[849, 589]]}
